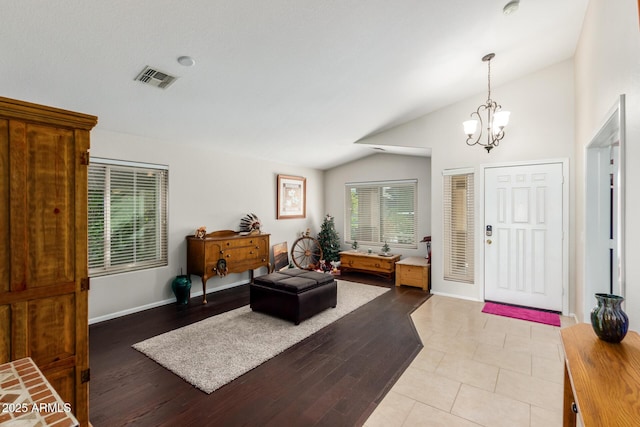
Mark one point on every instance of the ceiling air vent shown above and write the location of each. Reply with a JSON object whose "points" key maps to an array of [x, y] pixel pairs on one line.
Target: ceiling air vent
{"points": [[155, 78]]}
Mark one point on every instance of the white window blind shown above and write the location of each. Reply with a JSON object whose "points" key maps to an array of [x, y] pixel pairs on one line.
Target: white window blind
{"points": [[458, 241], [127, 216], [379, 212]]}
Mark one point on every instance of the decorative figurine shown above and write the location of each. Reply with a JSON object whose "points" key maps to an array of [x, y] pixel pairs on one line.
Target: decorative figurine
{"points": [[385, 248], [250, 224], [201, 232], [427, 240]]}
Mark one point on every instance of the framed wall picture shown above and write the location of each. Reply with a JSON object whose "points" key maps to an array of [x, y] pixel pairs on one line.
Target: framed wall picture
{"points": [[292, 197]]}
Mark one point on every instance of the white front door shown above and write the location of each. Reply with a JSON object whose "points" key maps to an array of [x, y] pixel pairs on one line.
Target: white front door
{"points": [[523, 239]]}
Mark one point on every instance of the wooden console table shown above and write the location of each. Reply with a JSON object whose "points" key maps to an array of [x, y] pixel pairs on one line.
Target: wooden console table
{"points": [[601, 379], [413, 271], [369, 263], [223, 252]]}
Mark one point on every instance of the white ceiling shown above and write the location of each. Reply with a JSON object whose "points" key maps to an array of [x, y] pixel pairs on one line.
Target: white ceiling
{"points": [[295, 81]]}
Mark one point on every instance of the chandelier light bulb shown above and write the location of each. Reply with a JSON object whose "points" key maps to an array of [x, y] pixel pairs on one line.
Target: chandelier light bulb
{"points": [[470, 127], [501, 119]]}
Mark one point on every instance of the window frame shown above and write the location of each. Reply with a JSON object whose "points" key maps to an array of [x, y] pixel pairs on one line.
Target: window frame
{"points": [[462, 250], [376, 217], [101, 182]]}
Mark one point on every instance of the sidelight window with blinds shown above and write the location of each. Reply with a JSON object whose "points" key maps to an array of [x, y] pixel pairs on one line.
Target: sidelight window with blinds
{"points": [[458, 239], [379, 212], [127, 216]]}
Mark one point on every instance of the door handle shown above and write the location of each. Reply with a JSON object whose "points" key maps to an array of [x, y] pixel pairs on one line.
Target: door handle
{"points": [[489, 241]]}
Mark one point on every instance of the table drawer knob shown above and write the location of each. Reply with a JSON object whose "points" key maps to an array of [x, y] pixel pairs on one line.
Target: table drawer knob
{"points": [[574, 407]]}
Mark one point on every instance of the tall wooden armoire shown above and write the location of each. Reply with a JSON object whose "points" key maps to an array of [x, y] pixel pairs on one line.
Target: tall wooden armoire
{"points": [[44, 155]]}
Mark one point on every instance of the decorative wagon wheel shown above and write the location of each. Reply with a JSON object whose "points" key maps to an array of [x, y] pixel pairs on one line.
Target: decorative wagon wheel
{"points": [[305, 251]]}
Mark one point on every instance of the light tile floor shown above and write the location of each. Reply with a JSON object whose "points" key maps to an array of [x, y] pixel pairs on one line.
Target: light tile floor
{"points": [[477, 369]]}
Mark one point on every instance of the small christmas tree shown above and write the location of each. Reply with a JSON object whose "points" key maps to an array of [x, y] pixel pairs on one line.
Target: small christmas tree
{"points": [[329, 240]]}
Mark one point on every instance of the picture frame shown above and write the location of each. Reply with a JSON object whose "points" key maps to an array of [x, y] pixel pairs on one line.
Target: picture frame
{"points": [[291, 197], [280, 256]]}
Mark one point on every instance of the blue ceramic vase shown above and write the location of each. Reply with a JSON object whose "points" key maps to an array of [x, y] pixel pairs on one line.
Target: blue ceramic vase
{"points": [[181, 287], [609, 322]]}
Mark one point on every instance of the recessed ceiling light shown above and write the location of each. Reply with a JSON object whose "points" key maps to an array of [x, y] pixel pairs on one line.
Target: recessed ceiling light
{"points": [[511, 7], [187, 61]]}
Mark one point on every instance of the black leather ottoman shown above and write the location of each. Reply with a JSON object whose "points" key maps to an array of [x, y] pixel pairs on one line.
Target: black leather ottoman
{"points": [[293, 294]]}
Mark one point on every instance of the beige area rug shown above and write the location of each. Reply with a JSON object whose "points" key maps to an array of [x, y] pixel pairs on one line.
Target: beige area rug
{"points": [[214, 351]]}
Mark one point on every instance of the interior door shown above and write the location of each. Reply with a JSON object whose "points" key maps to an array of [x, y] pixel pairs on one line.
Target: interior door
{"points": [[523, 239]]}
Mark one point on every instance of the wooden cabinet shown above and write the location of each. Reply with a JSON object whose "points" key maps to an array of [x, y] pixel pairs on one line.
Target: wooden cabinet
{"points": [[413, 271], [601, 379], [368, 263], [43, 244], [223, 252]]}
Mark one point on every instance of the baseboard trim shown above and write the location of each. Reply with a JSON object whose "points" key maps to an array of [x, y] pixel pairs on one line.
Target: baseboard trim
{"points": [[444, 294], [132, 310]]}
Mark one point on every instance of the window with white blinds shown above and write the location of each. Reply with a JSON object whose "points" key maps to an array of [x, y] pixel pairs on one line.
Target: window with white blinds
{"points": [[379, 212], [127, 216], [458, 239]]}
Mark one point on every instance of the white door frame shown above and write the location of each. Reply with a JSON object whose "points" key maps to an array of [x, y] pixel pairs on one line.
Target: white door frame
{"points": [[480, 246], [596, 173]]}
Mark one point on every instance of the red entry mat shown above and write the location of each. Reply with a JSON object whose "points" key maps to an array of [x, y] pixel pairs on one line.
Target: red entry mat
{"points": [[529, 314]]}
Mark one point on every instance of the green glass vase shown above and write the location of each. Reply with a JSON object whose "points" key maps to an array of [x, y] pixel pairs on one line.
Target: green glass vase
{"points": [[181, 287], [609, 322]]}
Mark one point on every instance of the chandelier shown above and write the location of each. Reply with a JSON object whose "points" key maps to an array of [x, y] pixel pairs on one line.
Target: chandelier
{"points": [[496, 120]]}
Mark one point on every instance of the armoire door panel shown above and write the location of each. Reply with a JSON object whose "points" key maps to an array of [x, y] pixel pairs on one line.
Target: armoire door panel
{"points": [[18, 204], [63, 381], [50, 199], [34, 292], [19, 330], [5, 240], [52, 334], [5, 334]]}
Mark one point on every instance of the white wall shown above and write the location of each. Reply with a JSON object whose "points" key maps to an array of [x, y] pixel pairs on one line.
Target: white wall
{"points": [[607, 64], [206, 187], [381, 167], [541, 127]]}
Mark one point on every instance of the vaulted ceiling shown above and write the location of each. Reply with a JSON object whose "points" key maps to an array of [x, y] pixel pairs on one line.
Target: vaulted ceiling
{"points": [[295, 81]]}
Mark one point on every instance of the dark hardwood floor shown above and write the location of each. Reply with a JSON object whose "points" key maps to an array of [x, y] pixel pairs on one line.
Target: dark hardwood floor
{"points": [[336, 377]]}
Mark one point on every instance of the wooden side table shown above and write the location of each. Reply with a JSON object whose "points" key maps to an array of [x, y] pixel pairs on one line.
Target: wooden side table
{"points": [[413, 271], [601, 379]]}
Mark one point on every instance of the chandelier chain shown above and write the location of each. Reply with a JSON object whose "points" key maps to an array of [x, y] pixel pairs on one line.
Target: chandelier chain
{"points": [[489, 79]]}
